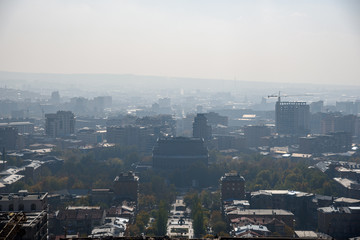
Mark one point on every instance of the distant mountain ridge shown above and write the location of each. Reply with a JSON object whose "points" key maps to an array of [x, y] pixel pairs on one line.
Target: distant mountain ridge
{"points": [[111, 83]]}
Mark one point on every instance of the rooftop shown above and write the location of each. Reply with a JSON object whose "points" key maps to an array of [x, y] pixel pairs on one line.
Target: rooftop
{"points": [[344, 169], [253, 228], [181, 146], [11, 179], [281, 192], [11, 124], [10, 171], [306, 234], [80, 213], [126, 176], [333, 209], [345, 182], [82, 207], [269, 212], [34, 164], [232, 176], [346, 200], [22, 194]]}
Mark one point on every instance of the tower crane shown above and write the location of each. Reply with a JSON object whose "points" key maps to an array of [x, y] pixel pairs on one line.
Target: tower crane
{"points": [[279, 96], [276, 96]]}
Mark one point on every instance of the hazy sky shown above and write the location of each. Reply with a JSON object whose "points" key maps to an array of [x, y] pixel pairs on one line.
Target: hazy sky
{"points": [[286, 41]]}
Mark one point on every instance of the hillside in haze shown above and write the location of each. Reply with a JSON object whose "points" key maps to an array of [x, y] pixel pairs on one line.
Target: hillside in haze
{"points": [[92, 84]]}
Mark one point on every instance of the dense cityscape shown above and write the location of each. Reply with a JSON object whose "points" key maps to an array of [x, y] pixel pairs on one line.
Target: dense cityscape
{"points": [[181, 119], [80, 167]]}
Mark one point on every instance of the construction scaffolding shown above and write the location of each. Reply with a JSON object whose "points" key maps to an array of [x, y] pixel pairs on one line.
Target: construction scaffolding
{"points": [[12, 226]]}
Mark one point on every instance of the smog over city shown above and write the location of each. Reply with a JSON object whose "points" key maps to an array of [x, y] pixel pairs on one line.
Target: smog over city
{"points": [[179, 119]]}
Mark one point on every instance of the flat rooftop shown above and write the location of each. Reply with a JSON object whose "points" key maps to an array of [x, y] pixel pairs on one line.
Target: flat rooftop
{"points": [[10, 179], [306, 234], [262, 212], [282, 192], [24, 195], [345, 182], [83, 207], [15, 124], [346, 200]]}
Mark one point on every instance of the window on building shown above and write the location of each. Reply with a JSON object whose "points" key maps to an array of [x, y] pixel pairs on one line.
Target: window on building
{"points": [[21, 207]]}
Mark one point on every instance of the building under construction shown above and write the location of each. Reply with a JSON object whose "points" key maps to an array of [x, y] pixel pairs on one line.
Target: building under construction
{"points": [[19, 225], [292, 118]]}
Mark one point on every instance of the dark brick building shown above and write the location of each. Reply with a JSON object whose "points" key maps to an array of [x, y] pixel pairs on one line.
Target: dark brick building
{"points": [[232, 186], [126, 186], [339, 223], [179, 153], [201, 129]]}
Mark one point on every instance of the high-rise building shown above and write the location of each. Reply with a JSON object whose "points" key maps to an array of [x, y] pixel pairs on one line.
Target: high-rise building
{"points": [[126, 186], [232, 186], [345, 124], [55, 98], [348, 107], [214, 119], [60, 124], [316, 107], [164, 106], [254, 133], [8, 138], [324, 123], [21, 127], [201, 129], [332, 142], [292, 118], [180, 153], [142, 138]]}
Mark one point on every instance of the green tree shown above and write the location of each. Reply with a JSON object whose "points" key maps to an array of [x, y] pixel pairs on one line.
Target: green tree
{"points": [[132, 230], [161, 219], [219, 227], [217, 223], [197, 214], [142, 220], [198, 222], [147, 202]]}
